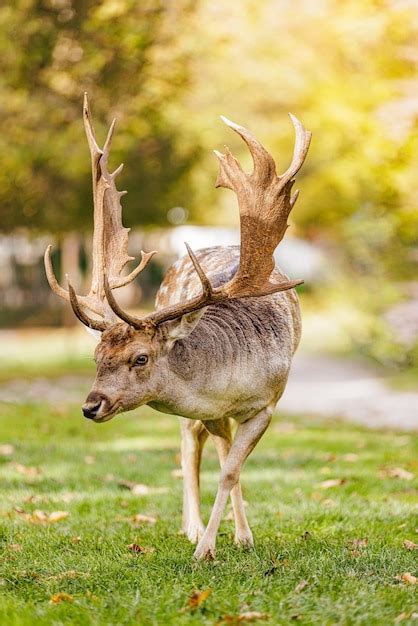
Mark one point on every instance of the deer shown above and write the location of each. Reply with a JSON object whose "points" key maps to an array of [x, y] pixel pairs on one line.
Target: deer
{"points": [[218, 347]]}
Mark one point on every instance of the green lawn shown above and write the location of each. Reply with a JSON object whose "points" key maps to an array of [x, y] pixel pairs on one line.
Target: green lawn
{"points": [[346, 540]]}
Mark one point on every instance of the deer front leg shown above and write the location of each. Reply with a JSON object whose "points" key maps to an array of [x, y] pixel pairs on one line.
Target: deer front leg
{"points": [[246, 438], [193, 437], [220, 431]]}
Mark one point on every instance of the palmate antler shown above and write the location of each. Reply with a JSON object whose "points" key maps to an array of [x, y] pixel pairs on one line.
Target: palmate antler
{"points": [[264, 202], [110, 238]]}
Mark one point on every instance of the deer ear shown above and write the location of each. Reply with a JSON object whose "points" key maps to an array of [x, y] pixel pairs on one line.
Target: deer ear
{"points": [[181, 327]]}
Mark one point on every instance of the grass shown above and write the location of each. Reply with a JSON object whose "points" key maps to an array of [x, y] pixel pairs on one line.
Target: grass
{"points": [[302, 531]]}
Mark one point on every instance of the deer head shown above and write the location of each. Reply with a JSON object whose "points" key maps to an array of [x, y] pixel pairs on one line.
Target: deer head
{"points": [[132, 357]]}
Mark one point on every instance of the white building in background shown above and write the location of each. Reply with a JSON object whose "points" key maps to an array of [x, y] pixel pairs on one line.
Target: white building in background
{"points": [[297, 257]]}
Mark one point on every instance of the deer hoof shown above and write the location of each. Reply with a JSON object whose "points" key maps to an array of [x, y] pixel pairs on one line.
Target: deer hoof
{"points": [[204, 552], [244, 539], [194, 532]]}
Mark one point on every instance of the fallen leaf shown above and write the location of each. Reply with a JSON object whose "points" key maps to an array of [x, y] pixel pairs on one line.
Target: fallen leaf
{"points": [[26, 470], [57, 516], [137, 549], [351, 457], [61, 597], [38, 516], [6, 449], [177, 473], [89, 459], [332, 482], [301, 586], [247, 616], [401, 617], [75, 539], [406, 615], [355, 553], [138, 489], [69, 574], [396, 472], [251, 616], [410, 545], [15, 547], [358, 543], [144, 519], [196, 599], [407, 578]]}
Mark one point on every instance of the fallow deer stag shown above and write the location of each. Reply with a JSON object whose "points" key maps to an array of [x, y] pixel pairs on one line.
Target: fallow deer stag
{"points": [[220, 342]]}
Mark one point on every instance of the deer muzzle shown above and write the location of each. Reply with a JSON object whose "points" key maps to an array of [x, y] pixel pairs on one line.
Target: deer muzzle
{"points": [[97, 406]]}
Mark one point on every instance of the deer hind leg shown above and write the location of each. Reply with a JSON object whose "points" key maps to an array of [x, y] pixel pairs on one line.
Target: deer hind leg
{"points": [[246, 438], [193, 437], [220, 431]]}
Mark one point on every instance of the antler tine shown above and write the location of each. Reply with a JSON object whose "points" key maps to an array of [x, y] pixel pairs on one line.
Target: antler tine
{"points": [[88, 126], [302, 143], [87, 321], [264, 165], [145, 259], [206, 286], [52, 279], [129, 319]]}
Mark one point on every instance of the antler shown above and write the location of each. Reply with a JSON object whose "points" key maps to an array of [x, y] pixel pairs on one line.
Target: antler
{"points": [[110, 238], [264, 203]]}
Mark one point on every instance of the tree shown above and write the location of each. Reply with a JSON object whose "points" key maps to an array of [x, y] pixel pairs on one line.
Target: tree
{"points": [[118, 51]]}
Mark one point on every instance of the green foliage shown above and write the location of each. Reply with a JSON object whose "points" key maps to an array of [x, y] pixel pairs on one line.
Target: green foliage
{"points": [[123, 54], [348, 71], [302, 532]]}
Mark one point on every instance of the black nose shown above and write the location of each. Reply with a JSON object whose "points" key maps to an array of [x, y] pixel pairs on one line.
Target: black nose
{"points": [[92, 405]]}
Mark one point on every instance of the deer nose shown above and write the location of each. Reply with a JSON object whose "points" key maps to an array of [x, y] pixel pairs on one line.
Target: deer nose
{"points": [[92, 405]]}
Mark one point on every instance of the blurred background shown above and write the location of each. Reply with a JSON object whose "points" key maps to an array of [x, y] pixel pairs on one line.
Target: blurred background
{"points": [[166, 70]]}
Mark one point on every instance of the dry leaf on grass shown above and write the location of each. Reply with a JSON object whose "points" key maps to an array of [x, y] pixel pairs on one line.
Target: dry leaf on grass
{"points": [[396, 472], [138, 489], [137, 549], [407, 578], [177, 473], [15, 547], [247, 616], [351, 457], [405, 615], [301, 586], [358, 543], [40, 517], [30, 472], [70, 574], [195, 599], [410, 545], [57, 598], [139, 518], [332, 482], [6, 449], [89, 459], [57, 516]]}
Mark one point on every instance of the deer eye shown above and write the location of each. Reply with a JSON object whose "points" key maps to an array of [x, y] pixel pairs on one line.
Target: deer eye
{"points": [[141, 359]]}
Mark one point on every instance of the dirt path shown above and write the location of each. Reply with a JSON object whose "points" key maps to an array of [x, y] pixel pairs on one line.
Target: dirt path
{"points": [[332, 386], [318, 385]]}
